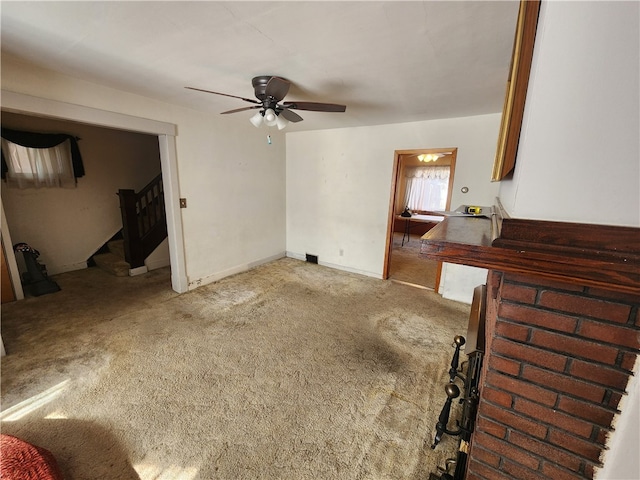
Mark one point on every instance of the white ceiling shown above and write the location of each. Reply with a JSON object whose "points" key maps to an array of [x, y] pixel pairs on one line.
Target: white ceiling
{"points": [[389, 62]]}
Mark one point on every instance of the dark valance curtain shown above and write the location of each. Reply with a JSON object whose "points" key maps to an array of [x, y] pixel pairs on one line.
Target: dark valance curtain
{"points": [[44, 140]]}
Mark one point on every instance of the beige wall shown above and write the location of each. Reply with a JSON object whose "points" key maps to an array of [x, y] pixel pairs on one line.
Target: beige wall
{"points": [[68, 225]]}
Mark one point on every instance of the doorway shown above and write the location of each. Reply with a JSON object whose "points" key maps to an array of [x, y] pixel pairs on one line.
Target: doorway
{"points": [[28, 105], [421, 188], [82, 226]]}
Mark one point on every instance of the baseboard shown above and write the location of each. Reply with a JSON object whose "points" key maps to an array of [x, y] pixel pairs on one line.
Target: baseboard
{"points": [[262, 261], [138, 271], [351, 270], [335, 266], [297, 256], [192, 284]]}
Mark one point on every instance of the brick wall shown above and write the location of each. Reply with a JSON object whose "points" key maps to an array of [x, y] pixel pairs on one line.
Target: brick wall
{"points": [[558, 360]]}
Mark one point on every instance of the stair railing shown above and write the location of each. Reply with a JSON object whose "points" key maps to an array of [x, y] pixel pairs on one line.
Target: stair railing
{"points": [[144, 222]]}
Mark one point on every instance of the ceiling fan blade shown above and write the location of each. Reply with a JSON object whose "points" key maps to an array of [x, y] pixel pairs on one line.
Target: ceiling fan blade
{"points": [[241, 109], [225, 94], [277, 88], [291, 116], [315, 107]]}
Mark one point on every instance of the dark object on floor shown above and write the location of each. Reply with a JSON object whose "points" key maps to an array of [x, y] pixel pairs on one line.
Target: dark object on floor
{"points": [[20, 460], [35, 279], [471, 378]]}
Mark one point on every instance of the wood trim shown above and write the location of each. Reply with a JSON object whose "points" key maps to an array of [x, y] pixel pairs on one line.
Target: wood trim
{"points": [[516, 92], [570, 238], [392, 215], [6, 291], [44, 107], [591, 255]]}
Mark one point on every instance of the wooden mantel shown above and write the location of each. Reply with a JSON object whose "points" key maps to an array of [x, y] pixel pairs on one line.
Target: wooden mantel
{"points": [[587, 254]]}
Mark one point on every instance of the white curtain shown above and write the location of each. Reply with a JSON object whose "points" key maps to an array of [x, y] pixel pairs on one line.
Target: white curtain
{"points": [[39, 167], [427, 188]]}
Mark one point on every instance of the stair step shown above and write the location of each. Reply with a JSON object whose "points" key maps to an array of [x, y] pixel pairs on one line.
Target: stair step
{"points": [[112, 263], [116, 247]]}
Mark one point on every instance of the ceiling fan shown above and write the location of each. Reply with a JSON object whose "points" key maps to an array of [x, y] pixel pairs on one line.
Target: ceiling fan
{"points": [[270, 91]]}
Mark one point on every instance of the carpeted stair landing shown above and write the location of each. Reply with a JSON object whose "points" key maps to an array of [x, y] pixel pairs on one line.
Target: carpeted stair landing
{"points": [[113, 261]]}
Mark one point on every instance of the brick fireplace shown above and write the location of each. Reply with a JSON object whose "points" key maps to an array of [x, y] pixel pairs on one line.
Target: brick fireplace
{"points": [[558, 362], [562, 338]]}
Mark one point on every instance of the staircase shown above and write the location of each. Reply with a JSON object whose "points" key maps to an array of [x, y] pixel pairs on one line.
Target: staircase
{"points": [[144, 227], [144, 221], [113, 260]]}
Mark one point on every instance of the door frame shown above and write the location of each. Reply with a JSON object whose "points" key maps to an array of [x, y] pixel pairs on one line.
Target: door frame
{"points": [[395, 177], [10, 258], [166, 132]]}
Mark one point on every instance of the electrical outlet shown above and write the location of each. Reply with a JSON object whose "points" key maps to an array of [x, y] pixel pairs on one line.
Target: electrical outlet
{"points": [[183, 203]]}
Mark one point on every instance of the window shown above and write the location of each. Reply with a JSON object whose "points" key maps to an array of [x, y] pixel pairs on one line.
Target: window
{"points": [[427, 188], [38, 167], [40, 160]]}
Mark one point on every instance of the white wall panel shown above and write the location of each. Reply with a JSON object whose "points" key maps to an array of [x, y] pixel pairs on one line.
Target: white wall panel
{"points": [[579, 153]]}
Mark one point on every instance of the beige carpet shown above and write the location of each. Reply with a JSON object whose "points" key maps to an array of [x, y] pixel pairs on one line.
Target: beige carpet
{"points": [[289, 371], [406, 264]]}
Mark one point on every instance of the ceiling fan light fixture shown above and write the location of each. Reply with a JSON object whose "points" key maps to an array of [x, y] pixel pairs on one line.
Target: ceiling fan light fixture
{"points": [[429, 157], [270, 117], [256, 120], [281, 122]]}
